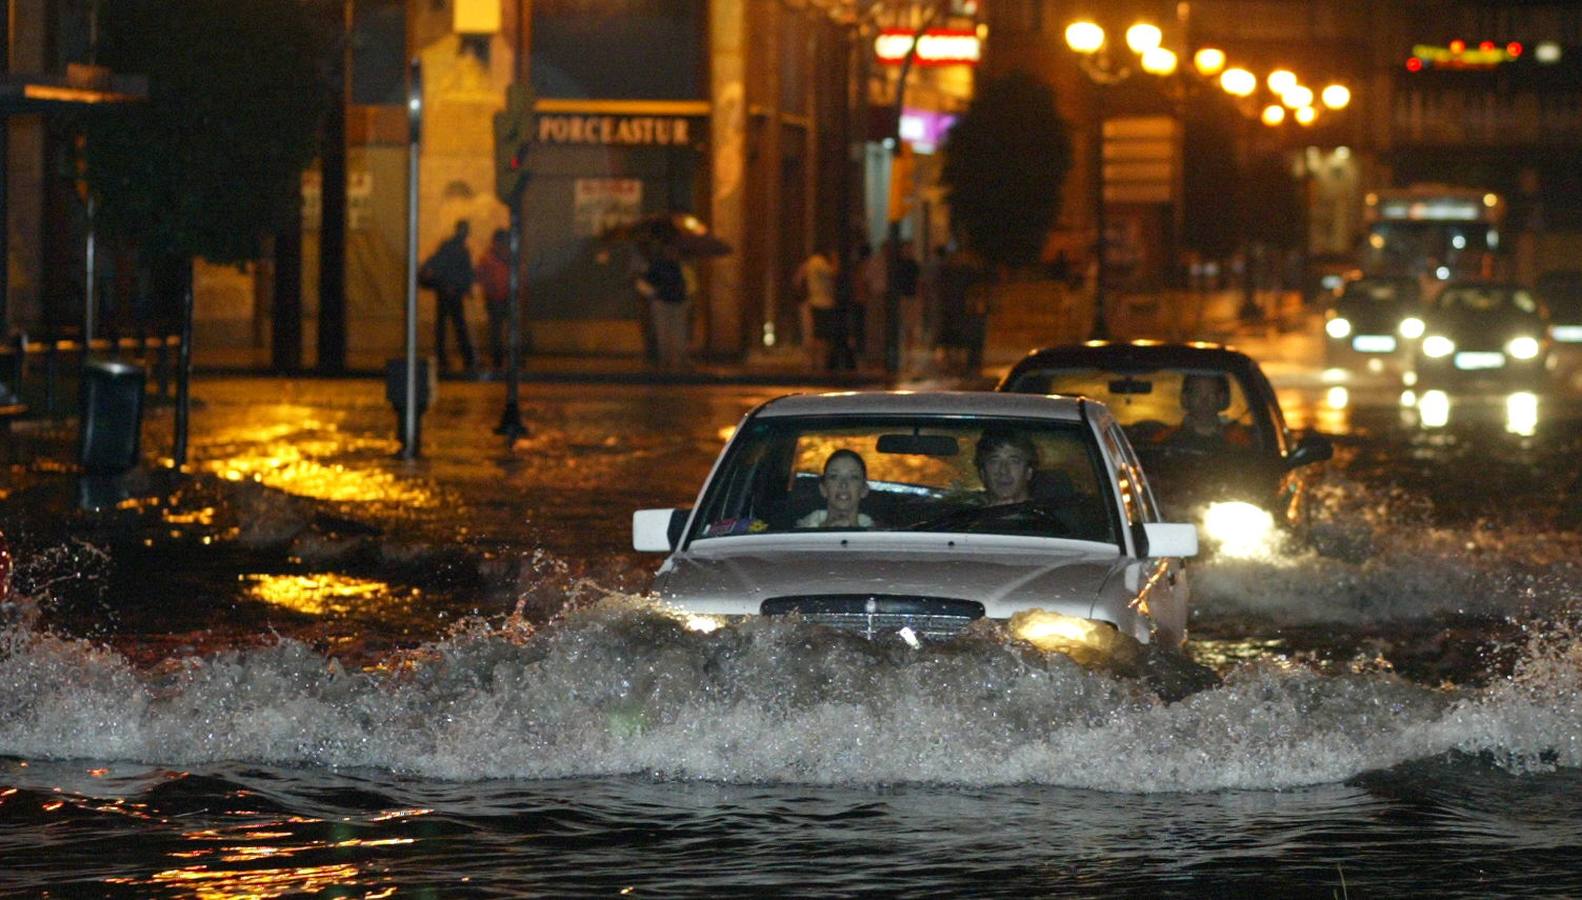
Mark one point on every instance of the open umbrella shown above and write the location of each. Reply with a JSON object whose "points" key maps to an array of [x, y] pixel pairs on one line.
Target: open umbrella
{"points": [[683, 231]]}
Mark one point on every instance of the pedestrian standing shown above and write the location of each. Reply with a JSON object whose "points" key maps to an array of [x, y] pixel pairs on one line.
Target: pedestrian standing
{"points": [[873, 274], [449, 273], [814, 281], [665, 287], [494, 276]]}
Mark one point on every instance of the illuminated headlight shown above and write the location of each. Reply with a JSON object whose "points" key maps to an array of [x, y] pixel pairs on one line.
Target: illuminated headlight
{"points": [[1523, 347], [1338, 327], [1411, 328], [1241, 529], [1438, 346], [1087, 641], [703, 623]]}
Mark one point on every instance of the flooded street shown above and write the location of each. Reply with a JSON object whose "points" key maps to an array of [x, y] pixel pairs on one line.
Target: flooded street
{"points": [[312, 667]]}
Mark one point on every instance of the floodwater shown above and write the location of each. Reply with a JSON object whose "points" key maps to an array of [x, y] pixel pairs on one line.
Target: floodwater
{"points": [[312, 668]]}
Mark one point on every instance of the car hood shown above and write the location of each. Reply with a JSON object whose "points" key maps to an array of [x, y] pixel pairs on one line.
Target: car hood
{"points": [[737, 575], [1484, 331]]}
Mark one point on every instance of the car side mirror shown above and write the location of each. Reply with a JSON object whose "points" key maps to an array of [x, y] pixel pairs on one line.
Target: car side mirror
{"points": [[1310, 449], [657, 530], [1168, 539]]}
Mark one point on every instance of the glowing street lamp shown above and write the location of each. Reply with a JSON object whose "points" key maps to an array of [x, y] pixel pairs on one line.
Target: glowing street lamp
{"points": [[1273, 114], [1159, 61], [1281, 80], [1238, 82], [1143, 37], [1306, 115], [1209, 61], [1296, 96], [1336, 96], [1084, 37]]}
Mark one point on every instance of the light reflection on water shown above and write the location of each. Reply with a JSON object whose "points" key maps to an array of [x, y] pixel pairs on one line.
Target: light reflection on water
{"points": [[326, 594]]}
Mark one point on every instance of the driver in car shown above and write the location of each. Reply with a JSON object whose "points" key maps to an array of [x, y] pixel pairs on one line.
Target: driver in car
{"points": [[1203, 398], [1006, 462], [843, 485]]}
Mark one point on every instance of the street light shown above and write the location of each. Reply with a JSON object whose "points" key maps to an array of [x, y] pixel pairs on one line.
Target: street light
{"points": [[1238, 82], [1305, 115], [1087, 39], [1273, 114], [1296, 96], [1336, 96], [1209, 61], [1281, 80]]}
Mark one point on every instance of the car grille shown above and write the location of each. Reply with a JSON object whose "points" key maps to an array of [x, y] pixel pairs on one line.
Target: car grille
{"points": [[871, 615]]}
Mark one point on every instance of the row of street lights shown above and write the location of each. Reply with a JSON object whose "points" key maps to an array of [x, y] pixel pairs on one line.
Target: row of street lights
{"points": [[1145, 40]]}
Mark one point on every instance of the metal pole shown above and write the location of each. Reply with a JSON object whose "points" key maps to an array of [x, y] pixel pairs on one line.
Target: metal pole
{"points": [[511, 416], [409, 448], [1101, 327], [89, 295], [183, 369]]}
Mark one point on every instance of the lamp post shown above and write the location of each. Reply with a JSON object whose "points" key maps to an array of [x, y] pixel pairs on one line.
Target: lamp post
{"points": [[1102, 69]]}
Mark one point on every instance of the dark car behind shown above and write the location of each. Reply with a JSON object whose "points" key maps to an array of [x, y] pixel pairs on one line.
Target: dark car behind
{"points": [[1374, 324], [1485, 332]]}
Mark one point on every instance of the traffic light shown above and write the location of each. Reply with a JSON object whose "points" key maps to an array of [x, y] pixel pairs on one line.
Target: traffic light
{"points": [[513, 132]]}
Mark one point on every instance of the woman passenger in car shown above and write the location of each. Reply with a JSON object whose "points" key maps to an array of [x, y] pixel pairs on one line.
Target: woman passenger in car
{"points": [[843, 485]]}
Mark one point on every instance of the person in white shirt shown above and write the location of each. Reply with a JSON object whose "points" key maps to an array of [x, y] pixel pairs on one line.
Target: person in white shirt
{"points": [[844, 484], [815, 281]]}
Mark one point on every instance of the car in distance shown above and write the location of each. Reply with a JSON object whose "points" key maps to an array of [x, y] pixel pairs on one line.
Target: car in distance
{"points": [[1484, 332], [1243, 480], [1085, 553], [1560, 292], [1373, 325]]}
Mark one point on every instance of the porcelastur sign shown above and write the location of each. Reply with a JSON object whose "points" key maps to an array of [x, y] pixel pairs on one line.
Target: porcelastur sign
{"points": [[617, 130]]}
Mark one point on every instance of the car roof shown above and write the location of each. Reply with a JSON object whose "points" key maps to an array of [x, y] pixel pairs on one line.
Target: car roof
{"points": [[1141, 355], [948, 403]]}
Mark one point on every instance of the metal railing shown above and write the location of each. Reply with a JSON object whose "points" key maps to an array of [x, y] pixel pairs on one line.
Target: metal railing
{"points": [[42, 375]]}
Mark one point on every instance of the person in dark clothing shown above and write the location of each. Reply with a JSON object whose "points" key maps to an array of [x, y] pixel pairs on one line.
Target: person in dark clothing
{"points": [[449, 272], [665, 286]]}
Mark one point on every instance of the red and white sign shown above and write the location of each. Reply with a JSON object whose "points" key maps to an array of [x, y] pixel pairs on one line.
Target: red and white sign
{"points": [[937, 47]]}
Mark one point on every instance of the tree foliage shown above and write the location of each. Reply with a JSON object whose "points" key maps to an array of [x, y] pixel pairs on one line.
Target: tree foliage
{"points": [[211, 162], [1005, 165]]}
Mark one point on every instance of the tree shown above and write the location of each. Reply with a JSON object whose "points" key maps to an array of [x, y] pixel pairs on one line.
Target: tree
{"points": [[211, 162], [1006, 161]]}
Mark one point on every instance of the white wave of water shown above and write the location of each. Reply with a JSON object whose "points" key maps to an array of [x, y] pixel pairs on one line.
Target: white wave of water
{"points": [[621, 687], [1370, 561]]}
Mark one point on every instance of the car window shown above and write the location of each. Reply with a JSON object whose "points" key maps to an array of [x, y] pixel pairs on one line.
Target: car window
{"points": [[1149, 405], [1136, 496], [1487, 299], [920, 475], [1379, 291]]}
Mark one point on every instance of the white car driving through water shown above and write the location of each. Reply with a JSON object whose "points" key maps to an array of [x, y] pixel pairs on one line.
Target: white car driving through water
{"points": [[914, 514]]}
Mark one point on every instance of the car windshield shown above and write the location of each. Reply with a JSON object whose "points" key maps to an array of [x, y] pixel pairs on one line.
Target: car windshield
{"points": [[922, 474], [1487, 300], [1384, 291], [1162, 409]]}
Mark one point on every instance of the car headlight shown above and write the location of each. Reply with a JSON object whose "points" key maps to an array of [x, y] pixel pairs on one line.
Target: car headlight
{"points": [[1437, 346], [1411, 328], [1523, 347], [1240, 528], [1338, 327]]}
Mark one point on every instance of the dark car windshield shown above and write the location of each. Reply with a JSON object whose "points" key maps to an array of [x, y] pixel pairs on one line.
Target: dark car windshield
{"points": [[1152, 406], [1481, 299], [1380, 290], [909, 474]]}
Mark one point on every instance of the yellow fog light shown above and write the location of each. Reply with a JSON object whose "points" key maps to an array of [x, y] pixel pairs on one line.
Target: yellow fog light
{"points": [[1241, 529], [702, 623]]}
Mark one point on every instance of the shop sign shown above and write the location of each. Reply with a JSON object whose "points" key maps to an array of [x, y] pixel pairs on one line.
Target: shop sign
{"points": [[1461, 55], [616, 130], [937, 47], [599, 204]]}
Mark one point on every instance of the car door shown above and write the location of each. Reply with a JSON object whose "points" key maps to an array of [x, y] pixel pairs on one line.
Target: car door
{"points": [[1160, 583]]}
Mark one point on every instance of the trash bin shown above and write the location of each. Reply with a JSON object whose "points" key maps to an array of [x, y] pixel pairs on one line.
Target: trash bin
{"points": [[111, 415]]}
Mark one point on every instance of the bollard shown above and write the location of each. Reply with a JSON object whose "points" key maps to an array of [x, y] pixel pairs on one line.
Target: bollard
{"points": [[395, 392], [111, 415]]}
